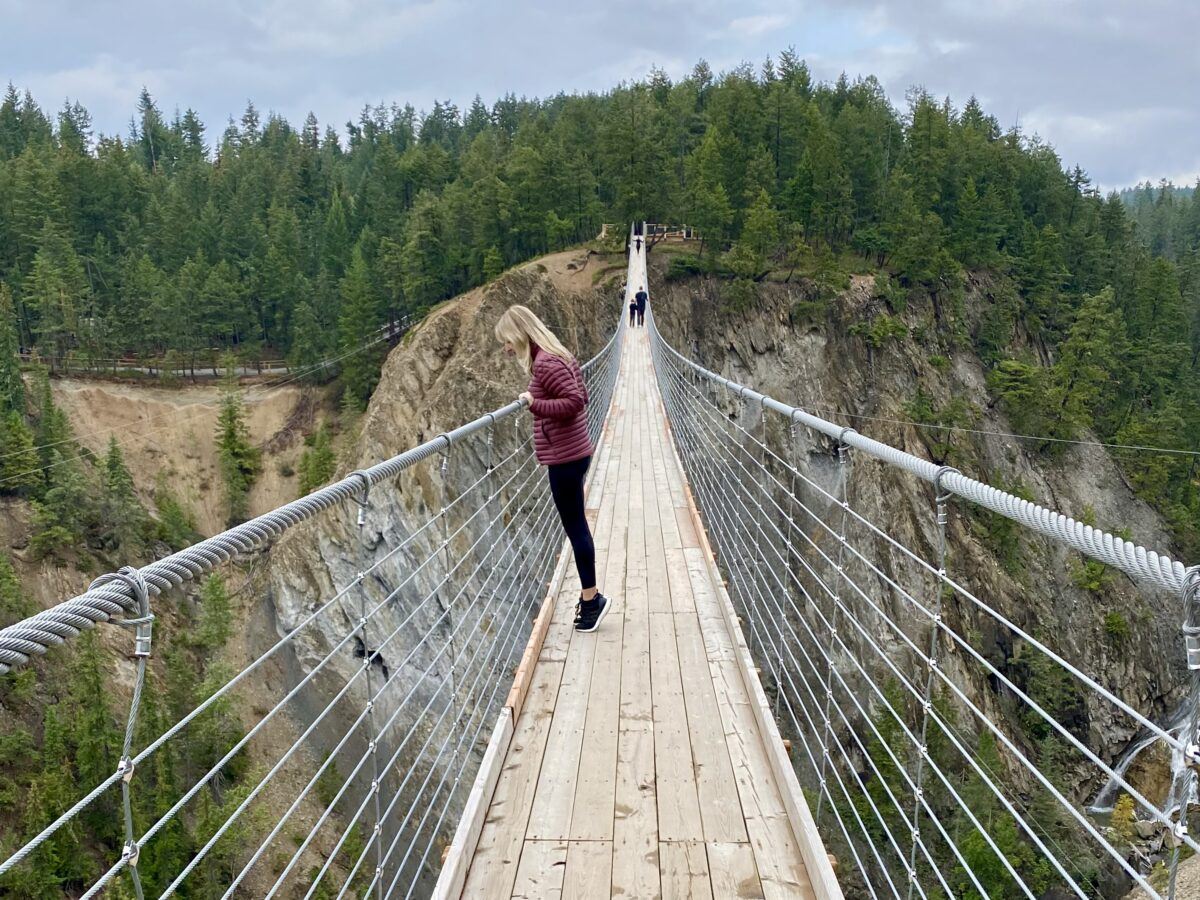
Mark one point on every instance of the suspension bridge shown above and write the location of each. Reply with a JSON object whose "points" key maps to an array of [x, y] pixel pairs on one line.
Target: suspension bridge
{"points": [[786, 701]]}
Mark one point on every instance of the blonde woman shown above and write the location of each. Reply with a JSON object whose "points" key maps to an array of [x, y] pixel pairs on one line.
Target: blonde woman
{"points": [[558, 399]]}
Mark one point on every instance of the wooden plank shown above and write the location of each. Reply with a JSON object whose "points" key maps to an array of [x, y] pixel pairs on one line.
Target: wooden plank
{"points": [[685, 871], [537, 637], [733, 871], [540, 873], [720, 806], [494, 866], [555, 796], [635, 831], [687, 528], [595, 792], [589, 870], [466, 835], [717, 642], [683, 598], [816, 871], [678, 806], [775, 847]]}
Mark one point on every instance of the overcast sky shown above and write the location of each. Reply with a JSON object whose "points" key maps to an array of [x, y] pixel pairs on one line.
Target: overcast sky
{"points": [[1112, 84]]}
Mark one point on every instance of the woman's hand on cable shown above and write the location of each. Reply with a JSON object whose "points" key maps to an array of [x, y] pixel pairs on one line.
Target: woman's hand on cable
{"points": [[527, 397]]}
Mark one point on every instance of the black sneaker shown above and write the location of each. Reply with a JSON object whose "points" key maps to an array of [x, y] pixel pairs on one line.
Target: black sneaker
{"points": [[592, 613]]}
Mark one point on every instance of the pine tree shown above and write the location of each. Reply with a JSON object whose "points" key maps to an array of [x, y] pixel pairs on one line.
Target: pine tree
{"points": [[123, 515], [358, 327], [12, 388], [239, 461], [14, 604], [65, 515], [20, 468], [318, 462], [335, 238]]}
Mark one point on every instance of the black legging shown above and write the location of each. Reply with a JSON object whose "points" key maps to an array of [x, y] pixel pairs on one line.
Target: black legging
{"points": [[566, 485], [641, 315]]}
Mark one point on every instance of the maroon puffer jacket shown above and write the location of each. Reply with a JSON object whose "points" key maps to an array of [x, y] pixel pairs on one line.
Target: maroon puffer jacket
{"points": [[559, 407]]}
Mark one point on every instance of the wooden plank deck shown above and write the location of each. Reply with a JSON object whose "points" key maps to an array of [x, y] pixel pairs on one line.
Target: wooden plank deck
{"points": [[636, 768]]}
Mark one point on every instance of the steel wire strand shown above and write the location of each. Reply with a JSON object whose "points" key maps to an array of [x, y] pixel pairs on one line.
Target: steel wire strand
{"points": [[510, 635], [187, 797], [84, 611], [328, 707], [966, 755], [943, 578], [1008, 743], [54, 625], [37, 633], [333, 754], [959, 641], [850, 842], [517, 607], [800, 585], [751, 609], [386, 727], [484, 711], [511, 640]]}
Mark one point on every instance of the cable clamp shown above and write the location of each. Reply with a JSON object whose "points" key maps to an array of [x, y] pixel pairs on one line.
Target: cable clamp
{"points": [[130, 854], [364, 502], [942, 494], [125, 768], [143, 623], [1191, 755], [374, 787]]}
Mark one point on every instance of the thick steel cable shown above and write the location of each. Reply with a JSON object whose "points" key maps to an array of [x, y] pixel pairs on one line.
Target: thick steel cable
{"points": [[1147, 566], [36, 634], [978, 713], [103, 601], [1087, 680], [387, 725]]}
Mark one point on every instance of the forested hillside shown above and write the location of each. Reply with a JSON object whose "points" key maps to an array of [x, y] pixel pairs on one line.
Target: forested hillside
{"points": [[1168, 219], [175, 240]]}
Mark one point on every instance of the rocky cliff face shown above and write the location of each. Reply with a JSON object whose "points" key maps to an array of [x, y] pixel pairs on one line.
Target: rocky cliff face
{"points": [[448, 371], [1126, 637]]}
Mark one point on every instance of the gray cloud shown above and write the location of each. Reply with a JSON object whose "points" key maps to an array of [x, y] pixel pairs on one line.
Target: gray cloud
{"points": [[1107, 82]]}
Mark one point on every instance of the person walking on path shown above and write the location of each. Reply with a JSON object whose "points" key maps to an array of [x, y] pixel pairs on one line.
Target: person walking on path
{"points": [[632, 311], [558, 399], [638, 242], [640, 299]]}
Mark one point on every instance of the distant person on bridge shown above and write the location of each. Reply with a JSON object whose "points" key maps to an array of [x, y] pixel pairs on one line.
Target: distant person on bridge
{"points": [[558, 399], [632, 311], [638, 243], [640, 300]]}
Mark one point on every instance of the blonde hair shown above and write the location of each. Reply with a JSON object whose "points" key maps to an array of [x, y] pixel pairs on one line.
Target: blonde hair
{"points": [[521, 327]]}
